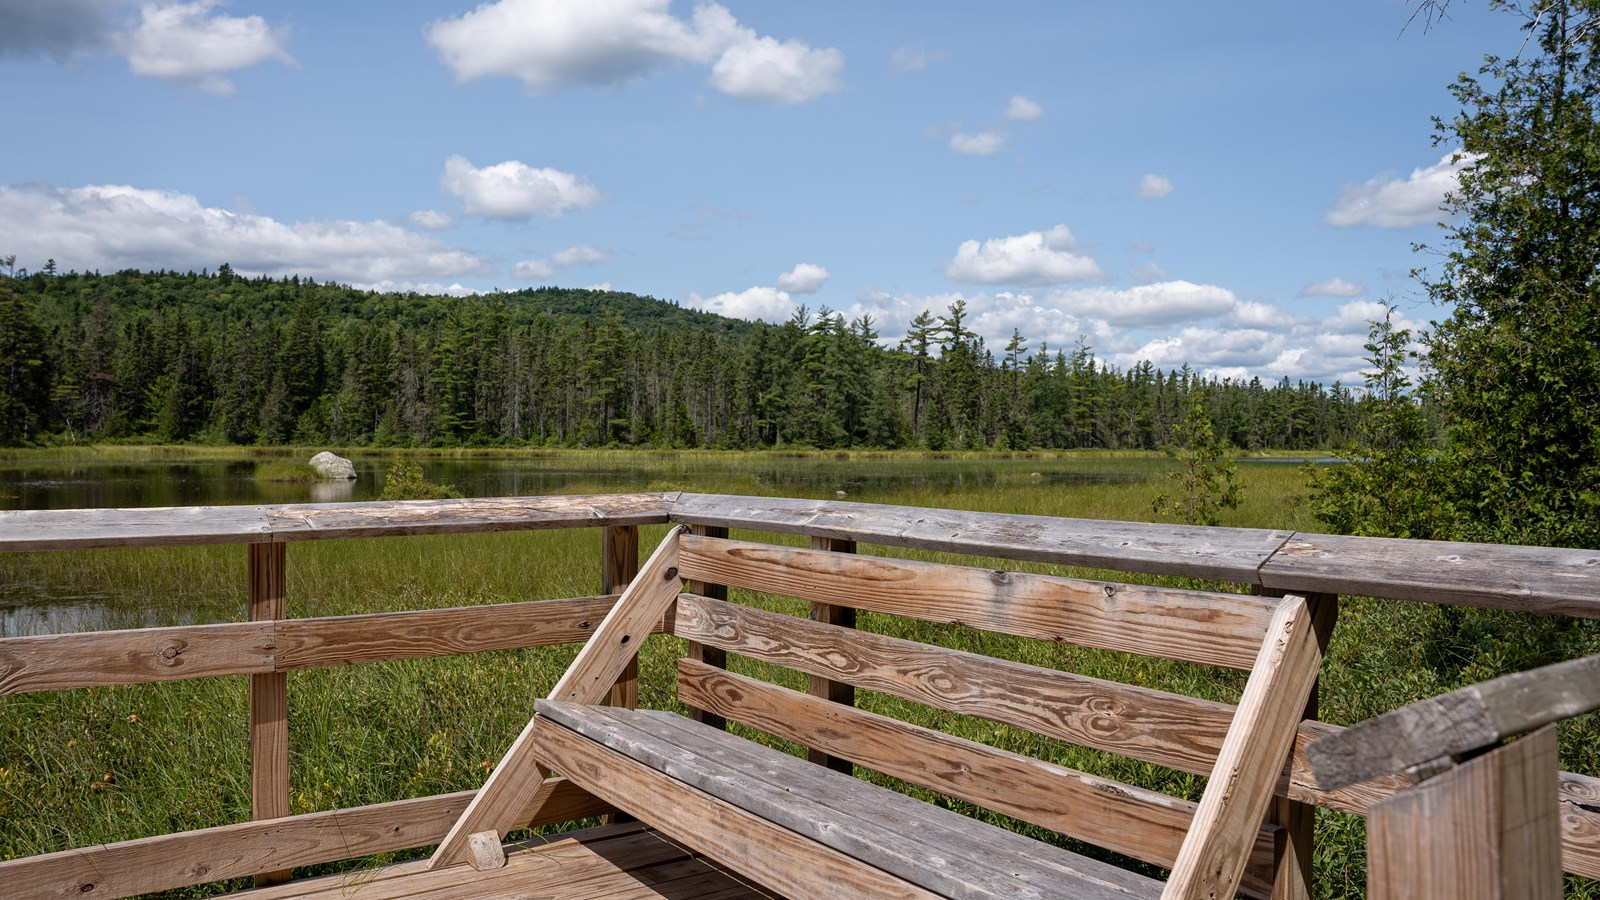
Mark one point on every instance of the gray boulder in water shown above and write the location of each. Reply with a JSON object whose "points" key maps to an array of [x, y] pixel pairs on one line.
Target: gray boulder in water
{"points": [[333, 467]]}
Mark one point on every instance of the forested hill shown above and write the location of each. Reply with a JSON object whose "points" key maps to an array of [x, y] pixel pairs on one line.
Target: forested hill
{"points": [[222, 358]]}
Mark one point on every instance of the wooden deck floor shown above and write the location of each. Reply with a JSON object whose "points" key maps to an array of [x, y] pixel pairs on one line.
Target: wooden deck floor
{"points": [[615, 862]]}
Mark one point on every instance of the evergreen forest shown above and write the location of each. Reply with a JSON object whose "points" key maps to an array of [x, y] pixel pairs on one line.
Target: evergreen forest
{"points": [[221, 358]]}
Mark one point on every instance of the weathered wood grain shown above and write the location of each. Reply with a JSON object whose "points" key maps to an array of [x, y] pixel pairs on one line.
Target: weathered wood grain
{"points": [[943, 851], [1484, 830], [69, 529], [711, 656], [421, 634], [619, 563], [1296, 852], [1497, 576], [1143, 824], [232, 851], [267, 571], [1452, 724], [1214, 854], [841, 615], [137, 656], [1155, 726], [776, 857], [1228, 554], [1194, 626], [615, 642], [54, 662]]}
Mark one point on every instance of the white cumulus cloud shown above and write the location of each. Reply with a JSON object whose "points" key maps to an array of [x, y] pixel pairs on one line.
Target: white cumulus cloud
{"points": [[788, 72], [576, 255], [515, 190], [431, 219], [1388, 201], [1333, 287], [1023, 110], [1035, 258], [187, 43], [553, 44], [1161, 303], [116, 226], [1153, 187], [805, 278], [767, 304], [980, 143]]}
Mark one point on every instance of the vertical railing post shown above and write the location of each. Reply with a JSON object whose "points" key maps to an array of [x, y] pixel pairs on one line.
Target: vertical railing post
{"points": [[1487, 829], [711, 656], [269, 698], [1292, 867], [834, 691], [619, 563]]}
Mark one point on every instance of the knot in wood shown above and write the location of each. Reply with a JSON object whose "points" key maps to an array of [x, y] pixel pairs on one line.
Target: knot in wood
{"points": [[671, 573], [171, 651]]}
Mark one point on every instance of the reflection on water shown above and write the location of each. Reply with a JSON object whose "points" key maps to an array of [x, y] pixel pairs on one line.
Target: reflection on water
{"points": [[30, 605]]}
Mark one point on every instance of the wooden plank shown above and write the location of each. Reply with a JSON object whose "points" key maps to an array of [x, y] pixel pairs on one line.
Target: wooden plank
{"points": [[1143, 824], [54, 662], [637, 613], [187, 858], [943, 851], [1194, 626], [563, 865], [787, 862], [619, 563], [315, 521], [1237, 794], [422, 634], [1227, 554], [1294, 876], [1485, 830], [1464, 720], [841, 692], [156, 526], [67, 529], [1172, 730], [142, 655], [705, 653], [267, 571], [1498, 576]]}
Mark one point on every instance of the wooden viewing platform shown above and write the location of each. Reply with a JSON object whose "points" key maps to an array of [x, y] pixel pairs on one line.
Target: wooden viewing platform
{"points": [[720, 816]]}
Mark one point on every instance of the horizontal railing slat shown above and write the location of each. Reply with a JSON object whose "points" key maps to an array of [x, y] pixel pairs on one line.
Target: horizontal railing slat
{"points": [[1228, 554], [234, 851], [1193, 626], [76, 529], [137, 656], [1146, 825], [1172, 730]]}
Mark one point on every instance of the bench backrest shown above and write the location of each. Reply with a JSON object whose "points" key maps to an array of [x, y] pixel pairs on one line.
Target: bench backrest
{"points": [[1265, 636]]}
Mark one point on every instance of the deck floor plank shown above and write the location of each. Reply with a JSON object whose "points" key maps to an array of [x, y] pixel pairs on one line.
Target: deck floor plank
{"points": [[616, 862]]}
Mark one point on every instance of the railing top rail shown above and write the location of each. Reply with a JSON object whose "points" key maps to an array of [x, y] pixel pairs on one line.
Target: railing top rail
{"points": [[1530, 579], [76, 529]]}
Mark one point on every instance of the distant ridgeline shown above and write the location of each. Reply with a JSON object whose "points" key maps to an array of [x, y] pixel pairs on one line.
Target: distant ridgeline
{"points": [[223, 358]]}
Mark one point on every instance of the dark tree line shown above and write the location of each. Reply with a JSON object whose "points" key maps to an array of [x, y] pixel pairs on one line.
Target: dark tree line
{"points": [[217, 357]]}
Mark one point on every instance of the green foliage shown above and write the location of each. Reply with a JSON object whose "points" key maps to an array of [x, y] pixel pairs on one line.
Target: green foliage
{"points": [[405, 482], [1517, 363], [24, 371], [1206, 475], [285, 471], [1390, 482], [180, 357]]}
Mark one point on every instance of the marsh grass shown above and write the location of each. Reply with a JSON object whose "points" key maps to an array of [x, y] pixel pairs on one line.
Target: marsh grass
{"points": [[176, 753]]}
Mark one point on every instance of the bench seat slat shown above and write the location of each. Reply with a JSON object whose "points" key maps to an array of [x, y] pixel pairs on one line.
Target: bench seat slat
{"points": [[940, 850]]}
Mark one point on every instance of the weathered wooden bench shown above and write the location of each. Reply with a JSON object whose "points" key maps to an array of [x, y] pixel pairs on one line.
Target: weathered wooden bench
{"points": [[806, 830]]}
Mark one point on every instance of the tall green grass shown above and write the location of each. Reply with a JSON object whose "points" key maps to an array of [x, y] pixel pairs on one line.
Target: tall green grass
{"points": [[176, 754]]}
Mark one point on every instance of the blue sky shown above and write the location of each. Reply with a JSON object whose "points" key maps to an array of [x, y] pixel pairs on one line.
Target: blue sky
{"points": [[1230, 185]]}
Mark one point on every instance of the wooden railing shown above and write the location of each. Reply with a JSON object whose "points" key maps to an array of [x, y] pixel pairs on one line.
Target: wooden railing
{"points": [[1530, 579]]}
